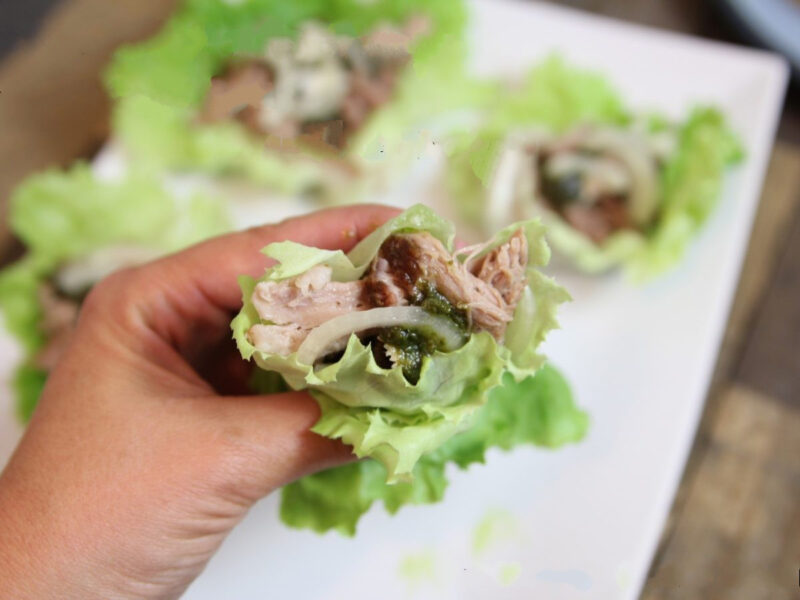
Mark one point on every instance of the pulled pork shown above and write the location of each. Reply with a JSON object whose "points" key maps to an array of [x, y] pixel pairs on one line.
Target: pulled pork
{"points": [[409, 269]]}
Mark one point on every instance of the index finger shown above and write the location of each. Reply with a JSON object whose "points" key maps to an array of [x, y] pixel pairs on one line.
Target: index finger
{"points": [[187, 299]]}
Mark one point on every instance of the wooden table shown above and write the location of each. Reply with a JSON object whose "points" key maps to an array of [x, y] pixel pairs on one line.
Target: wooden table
{"points": [[734, 531]]}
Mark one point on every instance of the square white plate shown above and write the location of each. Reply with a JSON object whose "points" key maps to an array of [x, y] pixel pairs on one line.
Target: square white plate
{"points": [[582, 522]]}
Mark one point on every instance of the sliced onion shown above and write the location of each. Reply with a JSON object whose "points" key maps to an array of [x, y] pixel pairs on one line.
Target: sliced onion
{"points": [[331, 335], [503, 187], [513, 178], [631, 149]]}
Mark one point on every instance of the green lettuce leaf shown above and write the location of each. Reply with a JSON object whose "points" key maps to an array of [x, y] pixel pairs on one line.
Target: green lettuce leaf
{"points": [[553, 95], [19, 306], [28, 385], [557, 97], [63, 215], [376, 410], [691, 184], [539, 410], [160, 84]]}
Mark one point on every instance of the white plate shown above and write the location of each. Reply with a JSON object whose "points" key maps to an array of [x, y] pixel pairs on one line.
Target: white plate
{"points": [[582, 522]]}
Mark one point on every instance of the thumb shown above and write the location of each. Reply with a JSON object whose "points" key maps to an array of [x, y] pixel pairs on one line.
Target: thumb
{"points": [[272, 442]]}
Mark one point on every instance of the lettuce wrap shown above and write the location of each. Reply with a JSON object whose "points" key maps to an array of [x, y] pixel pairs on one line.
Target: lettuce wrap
{"points": [[77, 229], [401, 340], [613, 188], [162, 85]]}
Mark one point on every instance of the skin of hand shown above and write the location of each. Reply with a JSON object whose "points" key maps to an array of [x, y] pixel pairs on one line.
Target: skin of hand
{"points": [[146, 448]]}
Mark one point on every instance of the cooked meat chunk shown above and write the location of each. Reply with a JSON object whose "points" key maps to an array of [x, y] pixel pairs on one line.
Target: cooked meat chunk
{"points": [[410, 269], [389, 43], [293, 307], [277, 339], [415, 257], [307, 300], [600, 220], [380, 288], [240, 90], [504, 268]]}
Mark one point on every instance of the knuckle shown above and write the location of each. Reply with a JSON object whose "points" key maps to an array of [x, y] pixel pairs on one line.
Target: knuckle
{"points": [[261, 234], [109, 293], [238, 471]]}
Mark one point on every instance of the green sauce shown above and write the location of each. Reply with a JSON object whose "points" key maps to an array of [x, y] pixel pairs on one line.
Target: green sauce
{"points": [[412, 345], [432, 300], [563, 189]]}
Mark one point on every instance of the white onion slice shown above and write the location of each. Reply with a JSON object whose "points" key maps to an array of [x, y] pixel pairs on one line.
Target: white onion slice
{"points": [[631, 149], [514, 178], [503, 188], [331, 335]]}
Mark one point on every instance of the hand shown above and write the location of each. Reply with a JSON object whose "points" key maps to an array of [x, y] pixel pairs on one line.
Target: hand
{"points": [[145, 449]]}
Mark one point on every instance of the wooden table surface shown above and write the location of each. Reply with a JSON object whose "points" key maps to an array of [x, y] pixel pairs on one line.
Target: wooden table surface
{"points": [[734, 530]]}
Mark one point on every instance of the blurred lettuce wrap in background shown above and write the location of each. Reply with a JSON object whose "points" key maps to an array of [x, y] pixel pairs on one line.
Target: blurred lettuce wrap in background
{"points": [[612, 187], [76, 230], [298, 97], [402, 342]]}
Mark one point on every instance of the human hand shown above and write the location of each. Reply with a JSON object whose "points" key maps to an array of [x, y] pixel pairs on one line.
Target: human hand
{"points": [[145, 449]]}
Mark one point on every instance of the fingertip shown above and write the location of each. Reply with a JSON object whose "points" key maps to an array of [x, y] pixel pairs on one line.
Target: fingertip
{"points": [[277, 428]]}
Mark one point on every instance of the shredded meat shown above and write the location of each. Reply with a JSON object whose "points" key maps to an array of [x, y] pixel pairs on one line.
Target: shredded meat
{"points": [[504, 268], [277, 339], [324, 133], [600, 220], [238, 93], [307, 300], [486, 290], [420, 256], [380, 288], [59, 316]]}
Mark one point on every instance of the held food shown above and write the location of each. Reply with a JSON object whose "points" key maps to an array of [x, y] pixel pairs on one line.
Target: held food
{"points": [[401, 340]]}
